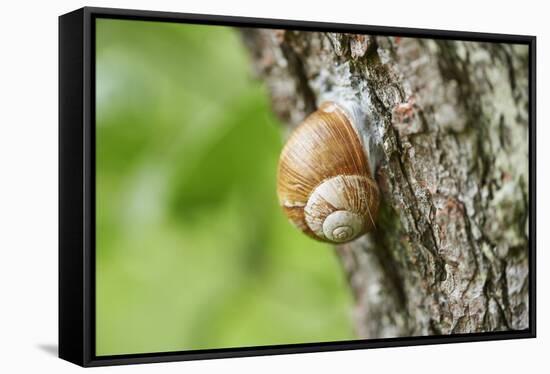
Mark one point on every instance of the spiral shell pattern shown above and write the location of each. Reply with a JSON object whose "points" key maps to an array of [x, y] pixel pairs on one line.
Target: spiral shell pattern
{"points": [[324, 182]]}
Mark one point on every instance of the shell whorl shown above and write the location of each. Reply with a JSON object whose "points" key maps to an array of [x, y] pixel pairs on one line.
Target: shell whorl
{"points": [[324, 182], [339, 209]]}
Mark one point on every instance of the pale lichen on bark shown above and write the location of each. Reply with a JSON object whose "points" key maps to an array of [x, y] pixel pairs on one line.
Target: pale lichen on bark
{"points": [[449, 120]]}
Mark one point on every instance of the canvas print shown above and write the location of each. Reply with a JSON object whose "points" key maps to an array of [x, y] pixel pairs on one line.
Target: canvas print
{"points": [[260, 187]]}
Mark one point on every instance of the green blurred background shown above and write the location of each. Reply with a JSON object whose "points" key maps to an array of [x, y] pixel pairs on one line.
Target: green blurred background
{"points": [[193, 251]]}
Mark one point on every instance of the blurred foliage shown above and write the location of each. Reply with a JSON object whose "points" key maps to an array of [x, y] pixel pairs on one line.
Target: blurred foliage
{"points": [[193, 251]]}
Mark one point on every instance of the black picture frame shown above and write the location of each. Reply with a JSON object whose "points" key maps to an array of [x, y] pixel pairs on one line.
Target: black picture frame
{"points": [[77, 186]]}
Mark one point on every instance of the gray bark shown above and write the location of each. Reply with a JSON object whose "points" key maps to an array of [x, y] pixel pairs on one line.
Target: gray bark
{"points": [[449, 121]]}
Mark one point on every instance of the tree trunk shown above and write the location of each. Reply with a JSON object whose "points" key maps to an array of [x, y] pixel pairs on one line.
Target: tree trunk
{"points": [[449, 124]]}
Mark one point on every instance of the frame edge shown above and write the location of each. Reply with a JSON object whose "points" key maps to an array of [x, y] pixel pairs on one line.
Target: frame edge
{"points": [[71, 301]]}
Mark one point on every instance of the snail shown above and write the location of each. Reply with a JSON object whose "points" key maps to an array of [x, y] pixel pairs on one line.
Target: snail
{"points": [[324, 181]]}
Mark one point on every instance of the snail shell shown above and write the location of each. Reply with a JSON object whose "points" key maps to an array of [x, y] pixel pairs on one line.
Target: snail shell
{"points": [[324, 182]]}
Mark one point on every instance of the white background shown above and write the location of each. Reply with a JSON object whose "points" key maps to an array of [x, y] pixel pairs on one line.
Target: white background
{"points": [[28, 184]]}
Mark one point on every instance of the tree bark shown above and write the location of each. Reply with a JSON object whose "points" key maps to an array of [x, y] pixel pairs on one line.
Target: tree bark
{"points": [[449, 123]]}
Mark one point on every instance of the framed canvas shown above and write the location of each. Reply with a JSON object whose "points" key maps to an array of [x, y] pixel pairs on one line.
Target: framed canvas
{"points": [[234, 186]]}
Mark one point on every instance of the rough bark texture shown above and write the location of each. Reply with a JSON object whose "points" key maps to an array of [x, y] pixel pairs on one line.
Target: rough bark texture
{"points": [[447, 122]]}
